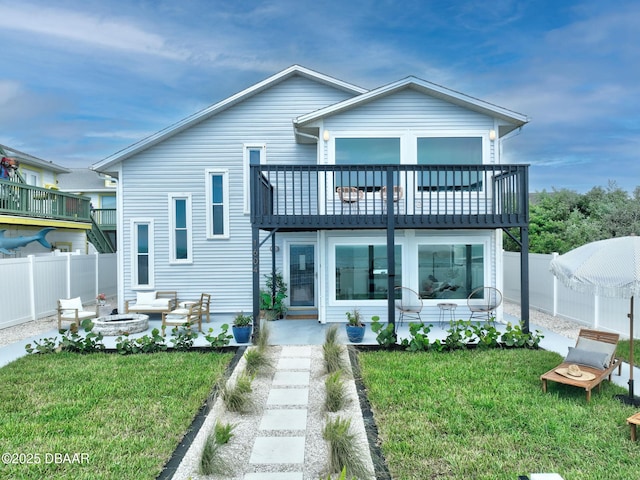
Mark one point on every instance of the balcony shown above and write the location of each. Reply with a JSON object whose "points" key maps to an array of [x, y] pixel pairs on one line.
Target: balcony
{"points": [[24, 200], [312, 197]]}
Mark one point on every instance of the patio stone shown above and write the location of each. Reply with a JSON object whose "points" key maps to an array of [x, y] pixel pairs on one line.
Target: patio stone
{"points": [[278, 450], [284, 419], [288, 396], [291, 378], [294, 363]]}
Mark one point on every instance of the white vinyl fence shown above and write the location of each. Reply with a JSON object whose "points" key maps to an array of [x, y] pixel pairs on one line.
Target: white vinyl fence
{"points": [[549, 295], [31, 286]]}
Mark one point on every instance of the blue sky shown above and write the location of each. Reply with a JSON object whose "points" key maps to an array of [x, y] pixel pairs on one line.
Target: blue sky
{"points": [[80, 80]]}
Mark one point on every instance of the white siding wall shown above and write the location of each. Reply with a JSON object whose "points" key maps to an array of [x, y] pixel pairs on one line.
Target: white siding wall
{"points": [[220, 267]]}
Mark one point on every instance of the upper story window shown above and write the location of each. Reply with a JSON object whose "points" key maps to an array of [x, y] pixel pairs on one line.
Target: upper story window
{"points": [[253, 155], [365, 151], [180, 228], [142, 271], [449, 151], [217, 203]]}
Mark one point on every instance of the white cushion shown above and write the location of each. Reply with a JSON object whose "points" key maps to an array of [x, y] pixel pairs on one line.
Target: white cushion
{"points": [[160, 302], [81, 315], [145, 298], [596, 346], [70, 305], [180, 311]]}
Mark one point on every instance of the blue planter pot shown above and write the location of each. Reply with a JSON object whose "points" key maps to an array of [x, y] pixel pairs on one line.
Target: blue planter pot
{"points": [[241, 334], [355, 334]]}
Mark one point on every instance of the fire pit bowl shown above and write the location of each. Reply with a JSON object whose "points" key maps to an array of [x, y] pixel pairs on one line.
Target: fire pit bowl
{"points": [[121, 324]]}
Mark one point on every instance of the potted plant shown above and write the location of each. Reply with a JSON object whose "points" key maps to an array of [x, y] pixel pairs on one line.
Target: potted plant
{"points": [[102, 299], [242, 325], [355, 327], [272, 300]]}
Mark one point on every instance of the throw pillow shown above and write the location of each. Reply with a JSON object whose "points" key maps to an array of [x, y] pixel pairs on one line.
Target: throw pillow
{"points": [[145, 298], [587, 357]]}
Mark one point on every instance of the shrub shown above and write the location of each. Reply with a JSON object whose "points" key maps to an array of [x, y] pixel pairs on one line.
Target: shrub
{"points": [[385, 334], [220, 340]]}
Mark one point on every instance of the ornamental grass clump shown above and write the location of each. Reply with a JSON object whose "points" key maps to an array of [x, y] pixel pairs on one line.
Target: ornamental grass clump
{"points": [[237, 396], [335, 392], [211, 461], [257, 360], [332, 351], [344, 448]]}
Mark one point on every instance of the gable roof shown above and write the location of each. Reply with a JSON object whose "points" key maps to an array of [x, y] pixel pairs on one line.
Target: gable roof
{"points": [[25, 158], [216, 108], [513, 119]]}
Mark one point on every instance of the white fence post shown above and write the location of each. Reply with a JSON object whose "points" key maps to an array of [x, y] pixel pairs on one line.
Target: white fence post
{"points": [[554, 255], [32, 287]]}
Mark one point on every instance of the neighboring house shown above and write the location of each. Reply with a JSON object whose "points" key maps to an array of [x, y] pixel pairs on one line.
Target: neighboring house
{"points": [[101, 190], [348, 192], [30, 201]]}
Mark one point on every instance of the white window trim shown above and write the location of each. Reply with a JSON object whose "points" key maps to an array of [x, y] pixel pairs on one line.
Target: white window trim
{"points": [[172, 228], [336, 241], [225, 186], [246, 180], [134, 253]]}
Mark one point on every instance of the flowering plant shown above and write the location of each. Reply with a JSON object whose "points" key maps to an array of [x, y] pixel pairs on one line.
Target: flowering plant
{"points": [[101, 296]]}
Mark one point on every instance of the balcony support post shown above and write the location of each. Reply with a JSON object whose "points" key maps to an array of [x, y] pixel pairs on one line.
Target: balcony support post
{"points": [[391, 257], [255, 258], [524, 278]]}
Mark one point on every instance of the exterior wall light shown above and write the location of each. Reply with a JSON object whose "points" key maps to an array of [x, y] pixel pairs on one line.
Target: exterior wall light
{"points": [[492, 135], [325, 136]]}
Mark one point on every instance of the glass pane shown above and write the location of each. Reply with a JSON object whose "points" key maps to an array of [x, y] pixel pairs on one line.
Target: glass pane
{"points": [[450, 271], [302, 275], [254, 156], [450, 151], [218, 220], [181, 213], [108, 202], [143, 269], [361, 271], [216, 189], [367, 151], [143, 238], [181, 244]]}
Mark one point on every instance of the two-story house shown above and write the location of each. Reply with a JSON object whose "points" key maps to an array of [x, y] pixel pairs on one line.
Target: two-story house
{"points": [[348, 192]]}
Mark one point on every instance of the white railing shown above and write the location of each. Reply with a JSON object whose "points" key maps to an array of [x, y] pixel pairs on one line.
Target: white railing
{"points": [[31, 286], [549, 295]]}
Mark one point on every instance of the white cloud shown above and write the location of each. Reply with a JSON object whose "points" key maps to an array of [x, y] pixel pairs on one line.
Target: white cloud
{"points": [[110, 33]]}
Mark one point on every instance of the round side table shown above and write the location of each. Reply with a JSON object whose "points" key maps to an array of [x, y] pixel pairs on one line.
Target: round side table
{"points": [[447, 307]]}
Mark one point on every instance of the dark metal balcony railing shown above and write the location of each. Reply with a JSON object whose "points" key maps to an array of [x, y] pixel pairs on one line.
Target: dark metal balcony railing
{"points": [[427, 196], [28, 201]]}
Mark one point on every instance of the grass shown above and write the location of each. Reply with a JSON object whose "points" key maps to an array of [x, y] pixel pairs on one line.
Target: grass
{"points": [[335, 392], [623, 351], [257, 360], [237, 396], [212, 461], [345, 452], [482, 415], [126, 413]]}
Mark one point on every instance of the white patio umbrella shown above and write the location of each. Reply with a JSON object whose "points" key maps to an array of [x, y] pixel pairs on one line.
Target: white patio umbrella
{"points": [[607, 268]]}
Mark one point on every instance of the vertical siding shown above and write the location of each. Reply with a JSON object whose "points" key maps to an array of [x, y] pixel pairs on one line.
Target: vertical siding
{"points": [[220, 267]]}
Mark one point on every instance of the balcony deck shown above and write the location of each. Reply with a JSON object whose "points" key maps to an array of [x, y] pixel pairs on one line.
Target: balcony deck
{"points": [[22, 200], [313, 197]]}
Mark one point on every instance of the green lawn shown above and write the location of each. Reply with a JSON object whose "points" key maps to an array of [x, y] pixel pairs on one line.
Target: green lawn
{"points": [[122, 415], [482, 415], [623, 351]]}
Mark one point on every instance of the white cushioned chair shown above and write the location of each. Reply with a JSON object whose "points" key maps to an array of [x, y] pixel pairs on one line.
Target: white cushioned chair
{"points": [[71, 310], [152, 302]]}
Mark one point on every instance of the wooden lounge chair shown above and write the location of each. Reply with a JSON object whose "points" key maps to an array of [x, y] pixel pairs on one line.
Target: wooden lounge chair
{"points": [[180, 316], [593, 348]]}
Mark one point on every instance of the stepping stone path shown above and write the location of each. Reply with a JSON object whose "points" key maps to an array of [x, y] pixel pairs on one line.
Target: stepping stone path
{"points": [[282, 438]]}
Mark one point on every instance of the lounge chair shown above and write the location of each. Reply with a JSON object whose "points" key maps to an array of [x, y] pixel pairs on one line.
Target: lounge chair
{"points": [[180, 316], [71, 310], [594, 354]]}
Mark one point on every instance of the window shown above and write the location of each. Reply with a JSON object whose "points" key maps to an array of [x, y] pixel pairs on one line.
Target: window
{"points": [[217, 204], [180, 228], [450, 151], [365, 151], [142, 262], [450, 271], [253, 155], [361, 271], [107, 201]]}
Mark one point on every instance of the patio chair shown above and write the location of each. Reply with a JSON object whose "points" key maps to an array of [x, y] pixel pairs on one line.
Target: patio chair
{"points": [[594, 354], [205, 300], [181, 316], [71, 310], [408, 303], [350, 194], [483, 302]]}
